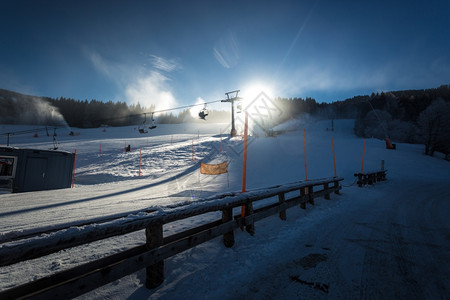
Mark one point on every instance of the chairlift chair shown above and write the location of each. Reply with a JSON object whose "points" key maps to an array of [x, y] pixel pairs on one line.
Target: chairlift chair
{"points": [[153, 123], [203, 113], [239, 107], [142, 126]]}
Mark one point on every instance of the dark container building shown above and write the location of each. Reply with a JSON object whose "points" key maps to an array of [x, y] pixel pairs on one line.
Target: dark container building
{"points": [[26, 170]]}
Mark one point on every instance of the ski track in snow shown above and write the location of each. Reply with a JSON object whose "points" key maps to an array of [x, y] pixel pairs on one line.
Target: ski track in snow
{"points": [[389, 240]]}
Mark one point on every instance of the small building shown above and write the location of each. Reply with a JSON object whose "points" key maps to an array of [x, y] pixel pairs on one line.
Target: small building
{"points": [[26, 170]]}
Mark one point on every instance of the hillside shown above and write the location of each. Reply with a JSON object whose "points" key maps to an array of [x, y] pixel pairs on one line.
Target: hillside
{"points": [[389, 240]]}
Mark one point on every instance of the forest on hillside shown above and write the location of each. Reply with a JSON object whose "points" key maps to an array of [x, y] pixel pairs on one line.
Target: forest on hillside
{"points": [[410, 116], [25, 109]]}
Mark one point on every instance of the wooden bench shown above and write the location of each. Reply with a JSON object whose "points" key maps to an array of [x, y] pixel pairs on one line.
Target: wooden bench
{"points": [[370, 177]]}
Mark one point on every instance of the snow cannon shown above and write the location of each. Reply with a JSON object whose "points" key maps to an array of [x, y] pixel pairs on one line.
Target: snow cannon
{"points": [[389, 144]]}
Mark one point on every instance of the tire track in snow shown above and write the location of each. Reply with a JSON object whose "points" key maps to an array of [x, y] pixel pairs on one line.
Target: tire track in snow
{"points": [[402, 258]]}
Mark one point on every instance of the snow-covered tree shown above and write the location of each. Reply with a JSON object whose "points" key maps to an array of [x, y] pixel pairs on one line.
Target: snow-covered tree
{"points": [[434, 124], [376, 124], [402, 131]]}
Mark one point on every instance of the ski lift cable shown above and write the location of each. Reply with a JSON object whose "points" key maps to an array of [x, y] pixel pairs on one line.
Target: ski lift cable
{"points": [[28, 131], [155, 112], [181, 107]]}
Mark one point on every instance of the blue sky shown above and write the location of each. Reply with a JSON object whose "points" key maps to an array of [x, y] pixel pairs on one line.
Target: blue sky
{"points": [[172, 53]]}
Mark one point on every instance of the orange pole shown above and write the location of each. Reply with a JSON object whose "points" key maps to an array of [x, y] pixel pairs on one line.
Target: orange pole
{"points": [[244, 162], [334, 158], [192, 149], [364, 150], [73, 171], [304, 145], [100, 150], [140, 154]]}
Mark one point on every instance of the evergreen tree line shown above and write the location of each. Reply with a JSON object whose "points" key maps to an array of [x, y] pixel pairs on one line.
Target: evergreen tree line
{"points": [[94, 113], [412, 116], [409, 116], [25, 109], [420, 116]]}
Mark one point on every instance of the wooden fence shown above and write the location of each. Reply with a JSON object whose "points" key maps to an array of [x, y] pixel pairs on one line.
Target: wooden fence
{"points": [[370, 177], [89, 276]]}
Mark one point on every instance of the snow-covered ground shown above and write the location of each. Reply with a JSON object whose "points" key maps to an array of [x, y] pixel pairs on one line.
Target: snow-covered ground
{"points": [[390, 240]]}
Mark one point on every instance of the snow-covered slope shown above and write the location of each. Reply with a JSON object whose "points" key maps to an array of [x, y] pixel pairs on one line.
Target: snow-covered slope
{"points": [[384, 241]]}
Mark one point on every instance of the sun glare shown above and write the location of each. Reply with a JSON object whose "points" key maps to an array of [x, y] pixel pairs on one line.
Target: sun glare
{"points": [[251, 91]]}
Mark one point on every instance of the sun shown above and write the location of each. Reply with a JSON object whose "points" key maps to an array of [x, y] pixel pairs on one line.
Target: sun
{"points": [[252, 90]]}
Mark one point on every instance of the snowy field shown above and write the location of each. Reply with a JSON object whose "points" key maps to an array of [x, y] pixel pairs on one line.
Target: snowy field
{"points": [[386, 241]]}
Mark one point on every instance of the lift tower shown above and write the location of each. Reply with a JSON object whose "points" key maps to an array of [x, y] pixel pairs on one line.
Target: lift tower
{"points": [[231, 97]]}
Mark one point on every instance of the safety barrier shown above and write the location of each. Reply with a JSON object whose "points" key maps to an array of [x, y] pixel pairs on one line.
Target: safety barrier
{"points": [[89, 276]]}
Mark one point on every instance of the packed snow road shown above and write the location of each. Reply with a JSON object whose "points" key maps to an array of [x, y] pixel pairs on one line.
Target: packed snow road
{"points": [[407, 253], [382, 242]]}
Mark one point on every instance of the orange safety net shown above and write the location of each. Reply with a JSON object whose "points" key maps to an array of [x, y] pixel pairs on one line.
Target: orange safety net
{"points": [[213, 169]]}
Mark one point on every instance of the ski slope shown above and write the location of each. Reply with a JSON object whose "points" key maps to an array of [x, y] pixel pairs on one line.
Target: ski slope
{"points": [[390, 240]]}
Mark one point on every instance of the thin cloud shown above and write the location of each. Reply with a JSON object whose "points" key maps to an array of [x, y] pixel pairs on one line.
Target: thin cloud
{"points": [[324, 78], [118, 73], [98, 62], [220, 59], [139, 85], [152, 89], [167, 65], [226, 51]]}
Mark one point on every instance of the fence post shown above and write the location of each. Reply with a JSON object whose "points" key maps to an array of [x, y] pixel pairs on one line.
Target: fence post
{"points": [[283, 212], [360, 180], [327, 195], [228, 238], [155, 273], [302, 194], [311, 194], [336, 184], [250, 228]]}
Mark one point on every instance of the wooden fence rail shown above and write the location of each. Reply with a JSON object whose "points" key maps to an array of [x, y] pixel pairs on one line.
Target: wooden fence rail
{"points": [[89, 276]]}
